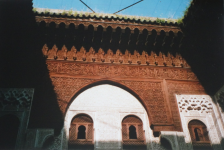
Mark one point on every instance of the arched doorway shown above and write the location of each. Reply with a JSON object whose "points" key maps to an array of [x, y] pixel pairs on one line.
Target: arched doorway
{"points": [[107, 105], [9, 125]]}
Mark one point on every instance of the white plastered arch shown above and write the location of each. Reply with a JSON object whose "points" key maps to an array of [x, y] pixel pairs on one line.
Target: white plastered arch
{"points": [[107, 105]]}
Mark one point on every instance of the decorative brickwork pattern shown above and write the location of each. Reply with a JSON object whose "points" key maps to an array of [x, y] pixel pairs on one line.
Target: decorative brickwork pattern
{"points": [[66, 88], [69, 77], [153, 96], [133, 71], [176, 87]]}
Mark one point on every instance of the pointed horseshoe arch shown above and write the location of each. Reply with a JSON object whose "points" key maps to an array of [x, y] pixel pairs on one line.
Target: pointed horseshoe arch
{"points": [[110, 82]]}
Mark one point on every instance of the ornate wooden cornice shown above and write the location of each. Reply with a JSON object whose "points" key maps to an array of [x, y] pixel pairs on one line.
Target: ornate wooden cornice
{"points": [[108, 22]]}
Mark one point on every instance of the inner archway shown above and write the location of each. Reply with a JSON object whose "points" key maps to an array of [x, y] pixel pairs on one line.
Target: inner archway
{"points": [[107, 105]]}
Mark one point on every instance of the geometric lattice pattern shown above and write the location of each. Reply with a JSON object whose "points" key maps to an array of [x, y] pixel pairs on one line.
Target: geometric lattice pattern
{"points": [[90, 131], [72, 134], [82, 119], [131, 119]]}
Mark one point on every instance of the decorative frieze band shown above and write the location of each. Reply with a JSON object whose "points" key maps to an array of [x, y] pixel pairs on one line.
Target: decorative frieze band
{"points": [[119, 71], [118, 58]]}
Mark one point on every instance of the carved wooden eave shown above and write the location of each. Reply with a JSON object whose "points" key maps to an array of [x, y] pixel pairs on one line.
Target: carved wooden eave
{"points": [[106, 23]]}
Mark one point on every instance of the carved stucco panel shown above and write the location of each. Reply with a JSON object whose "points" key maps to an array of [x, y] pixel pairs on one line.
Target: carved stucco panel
{"points": [[153, 96], [195, 114], [174, 88], [65, 88], [105, 70]]}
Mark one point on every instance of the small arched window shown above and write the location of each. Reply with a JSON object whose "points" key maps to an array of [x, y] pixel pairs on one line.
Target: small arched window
{"points": [[81, 132], [132, 133], [199, 134]]}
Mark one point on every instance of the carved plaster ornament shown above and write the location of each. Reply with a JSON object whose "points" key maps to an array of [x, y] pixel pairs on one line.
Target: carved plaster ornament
{"points": [[52, 54], [125, 57], [74, 51], [45, 50], [138, 58], [195, 104], [62, 54], [185, 64], [147, 58], [71, 55], [83, 52], [167, 60], [151, 58], [109, 56], [135, 57], [143, 58], [176, 60], [118, 57], [101, 54], [90, 56], [181, 60], [159, 59], [129, 58]]}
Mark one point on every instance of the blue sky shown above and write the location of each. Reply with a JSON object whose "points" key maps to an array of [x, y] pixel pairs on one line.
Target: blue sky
{"points": [[150, 8]]}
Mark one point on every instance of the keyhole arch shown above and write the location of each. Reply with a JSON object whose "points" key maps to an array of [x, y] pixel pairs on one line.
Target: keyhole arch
{"points": [[132, 132], [81, 132]]}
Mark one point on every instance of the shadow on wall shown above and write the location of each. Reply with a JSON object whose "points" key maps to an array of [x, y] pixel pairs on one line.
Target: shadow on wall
{"points": [[202, 44], [22, 64], [165, 141], [162, 144], [9, 126]]}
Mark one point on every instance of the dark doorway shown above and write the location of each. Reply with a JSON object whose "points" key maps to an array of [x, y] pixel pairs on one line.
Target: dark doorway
{"points": [[132, 132], [82, 132], [9, 125]]}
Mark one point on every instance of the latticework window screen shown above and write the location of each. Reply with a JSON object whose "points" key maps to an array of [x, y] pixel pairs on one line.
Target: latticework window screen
{"points": [[137, 123], [74, 141]]}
